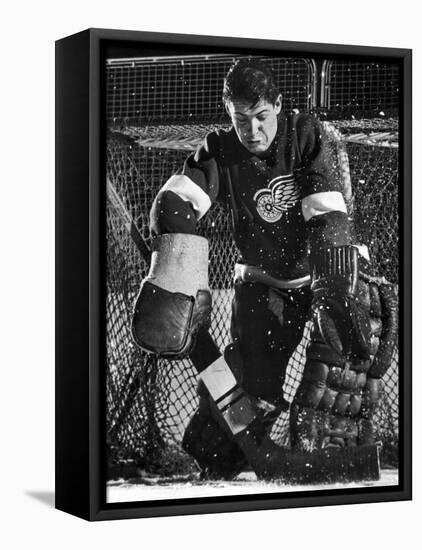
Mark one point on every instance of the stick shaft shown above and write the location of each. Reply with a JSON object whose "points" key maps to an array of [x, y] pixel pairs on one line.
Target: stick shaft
{"points": [[128, 222]]}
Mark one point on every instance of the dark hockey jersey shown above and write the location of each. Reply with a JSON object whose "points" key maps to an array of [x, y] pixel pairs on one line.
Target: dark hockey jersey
{"points": [[282, 203]]}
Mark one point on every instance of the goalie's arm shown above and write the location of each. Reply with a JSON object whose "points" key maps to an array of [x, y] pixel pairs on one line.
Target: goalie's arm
{"points": [[175, 298], [323, 204], [188, 195], [178, 206], [334, 262]]}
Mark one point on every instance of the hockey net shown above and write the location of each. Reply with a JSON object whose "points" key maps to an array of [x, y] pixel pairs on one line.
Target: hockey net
{"points": [[150, 400]]}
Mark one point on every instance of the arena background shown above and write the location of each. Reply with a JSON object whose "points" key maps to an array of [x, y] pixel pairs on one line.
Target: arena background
{"points": [[159, 109]]}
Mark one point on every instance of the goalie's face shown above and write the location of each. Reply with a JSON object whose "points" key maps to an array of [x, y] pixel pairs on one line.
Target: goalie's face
{"points": [[255, 125]]}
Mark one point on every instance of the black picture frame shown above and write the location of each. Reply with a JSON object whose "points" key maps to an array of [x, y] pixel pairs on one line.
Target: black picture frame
{"points": [[80, 285]]}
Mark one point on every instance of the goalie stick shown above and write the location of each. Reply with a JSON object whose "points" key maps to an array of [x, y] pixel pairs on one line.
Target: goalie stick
{"points": [[126, 218], [268, 460]]}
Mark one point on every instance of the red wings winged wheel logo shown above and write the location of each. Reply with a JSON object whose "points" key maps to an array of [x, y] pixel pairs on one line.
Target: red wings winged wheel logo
{"points": [[281, 194]]}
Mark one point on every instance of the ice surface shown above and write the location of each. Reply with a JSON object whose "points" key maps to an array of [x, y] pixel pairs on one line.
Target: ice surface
{"points": [[156, 488]]}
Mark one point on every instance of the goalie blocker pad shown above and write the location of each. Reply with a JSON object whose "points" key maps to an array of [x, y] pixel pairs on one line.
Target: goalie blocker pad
{"points": [[165, 322], [174, 300]]}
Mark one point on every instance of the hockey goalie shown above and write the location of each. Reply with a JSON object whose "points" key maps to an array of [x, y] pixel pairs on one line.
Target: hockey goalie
{"points": [[283, 184]]}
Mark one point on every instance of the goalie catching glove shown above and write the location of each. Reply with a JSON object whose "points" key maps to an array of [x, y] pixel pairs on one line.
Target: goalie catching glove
{"points": [[338, 310], [174, 300]]}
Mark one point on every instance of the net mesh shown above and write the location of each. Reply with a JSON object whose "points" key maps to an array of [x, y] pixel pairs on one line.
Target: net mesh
{"points": [[370, 88], [150, 400], [189, 89]]}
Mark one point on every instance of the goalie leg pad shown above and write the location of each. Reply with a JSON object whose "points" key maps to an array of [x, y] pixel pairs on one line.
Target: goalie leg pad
{"points": [[218, 456], [337, 400], [327, 404], [209, 436], [270, 461], [213, 434]]}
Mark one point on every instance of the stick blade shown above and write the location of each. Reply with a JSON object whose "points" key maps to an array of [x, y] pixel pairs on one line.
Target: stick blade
{"points": [[360, 463], [325, 466]]}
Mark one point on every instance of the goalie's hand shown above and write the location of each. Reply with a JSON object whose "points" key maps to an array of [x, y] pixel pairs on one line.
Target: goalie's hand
{"points": [[340, 304], [174, 301], [166, 323], [344, 325]]}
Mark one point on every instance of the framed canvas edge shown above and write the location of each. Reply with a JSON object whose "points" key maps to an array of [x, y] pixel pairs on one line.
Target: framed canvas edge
{"points": [[98, 509], [72, 369], [252, 43]]}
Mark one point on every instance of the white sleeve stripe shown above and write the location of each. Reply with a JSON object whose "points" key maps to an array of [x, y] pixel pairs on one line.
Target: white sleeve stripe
{"points": [[189, 191], [322, 203]]}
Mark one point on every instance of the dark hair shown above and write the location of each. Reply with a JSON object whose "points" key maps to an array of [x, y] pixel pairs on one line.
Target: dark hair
{"points": [[250, 80]]}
